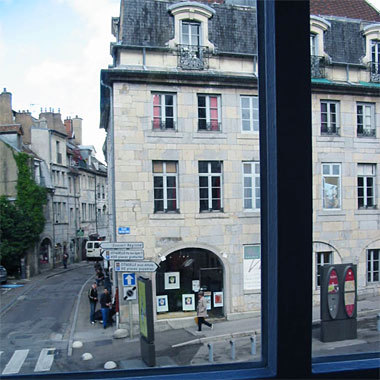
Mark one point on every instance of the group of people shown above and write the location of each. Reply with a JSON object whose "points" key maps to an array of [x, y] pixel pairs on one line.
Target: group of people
{"points": [[105, 298]]}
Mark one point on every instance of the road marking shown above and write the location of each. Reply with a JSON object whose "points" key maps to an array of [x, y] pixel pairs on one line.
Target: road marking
{"points": [[15, 363], [45, 360]]}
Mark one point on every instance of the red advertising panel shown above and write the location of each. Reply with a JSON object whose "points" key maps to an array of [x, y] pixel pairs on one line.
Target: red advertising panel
{"points": [[349, 292]]}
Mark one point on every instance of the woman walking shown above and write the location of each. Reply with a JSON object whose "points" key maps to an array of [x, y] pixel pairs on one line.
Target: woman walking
{"points": [[202, 311]]}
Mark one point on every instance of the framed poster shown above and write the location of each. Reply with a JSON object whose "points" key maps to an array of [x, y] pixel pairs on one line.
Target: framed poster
{"points": [[188, 302], [218, 299], [208, 300], [172, 280], [196, 286], [162, 304]]}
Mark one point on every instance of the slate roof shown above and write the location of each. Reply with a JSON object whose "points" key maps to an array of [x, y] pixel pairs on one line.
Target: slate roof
{"points": [[355, 9], [149, 23]]}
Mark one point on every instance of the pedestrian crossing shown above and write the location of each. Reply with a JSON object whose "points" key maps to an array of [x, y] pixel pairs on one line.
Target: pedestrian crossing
{"points": [[25, 361]]}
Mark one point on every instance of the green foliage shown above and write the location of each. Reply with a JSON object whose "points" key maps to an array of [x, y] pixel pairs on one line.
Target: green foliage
{"points": [[23, 221]]}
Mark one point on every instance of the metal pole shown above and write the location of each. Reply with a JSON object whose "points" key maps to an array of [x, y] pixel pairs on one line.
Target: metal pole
{"points": [[130, 320], [253, 344], [233, 351], [210, 352]]}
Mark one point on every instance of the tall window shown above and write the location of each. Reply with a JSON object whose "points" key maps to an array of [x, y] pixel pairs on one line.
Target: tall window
{"points": [[209, 112], [329, 117], [375, 52], [164, 111], [331, 186], [165, 180], [366, 185], [251, 178], [365, 119], [322, 258], [249, 113], [373, 265], [190, 33], [313, 44], [210, 185], [84, 211], [59, 154]]}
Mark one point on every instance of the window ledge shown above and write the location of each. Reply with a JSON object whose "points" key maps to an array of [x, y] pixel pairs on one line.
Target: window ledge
{"points": [[167, 216], [249, 214], [331, 213], [165, 134], [209, 135], [330, 138], [367, 211], [212, 215], [252, 291], [248, 136]]}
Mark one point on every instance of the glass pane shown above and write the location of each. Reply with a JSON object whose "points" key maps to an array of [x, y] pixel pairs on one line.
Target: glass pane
{"points": [[201, 101], [157, 167], [247, 168], [247, 182], [216, 167], [215, 181], [158, 206], [158, 182], [158, 194], [171, 181], [203, 167], [171, 167], [245, 102], [203, 181]]}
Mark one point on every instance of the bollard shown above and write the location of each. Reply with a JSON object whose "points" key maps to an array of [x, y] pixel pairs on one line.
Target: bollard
{"points": [[378, 322], [253, 344], [233, 352], [210, 352]]}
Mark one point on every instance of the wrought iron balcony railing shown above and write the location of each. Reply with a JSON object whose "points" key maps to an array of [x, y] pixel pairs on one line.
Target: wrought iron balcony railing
{"points": [[332, 130], [163, 125], [317, 66], [192, 57], [374, 68], [366, 132]]}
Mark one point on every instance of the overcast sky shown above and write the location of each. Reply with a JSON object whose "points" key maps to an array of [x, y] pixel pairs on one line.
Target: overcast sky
{"points": [[51, 54]]}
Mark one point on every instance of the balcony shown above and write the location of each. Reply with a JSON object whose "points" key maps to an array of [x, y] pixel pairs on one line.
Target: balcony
{"points": [[329, 130], [192, 57], [317, 66], [366, 132], [374, 68], [158, 124]]}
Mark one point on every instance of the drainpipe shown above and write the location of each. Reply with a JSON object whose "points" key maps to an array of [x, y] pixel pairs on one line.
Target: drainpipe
{"points": [[54, 251], [111, 171]]}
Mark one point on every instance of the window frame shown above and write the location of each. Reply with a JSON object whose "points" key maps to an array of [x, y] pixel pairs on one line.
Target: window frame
{"points": [[208, 113], [253, 123], [210, 175], [365, 186], [198, 24], [372, 131], [163, 116], [323, 176], [320, 264], [330, 131], [370, 262], [252, 175], [165, 189]]}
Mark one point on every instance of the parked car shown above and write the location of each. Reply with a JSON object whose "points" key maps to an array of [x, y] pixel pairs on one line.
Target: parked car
{"points": [[3, 275]]}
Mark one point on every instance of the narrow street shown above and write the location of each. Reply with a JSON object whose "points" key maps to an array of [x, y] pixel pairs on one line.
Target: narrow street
{"points": [[34, 331]]}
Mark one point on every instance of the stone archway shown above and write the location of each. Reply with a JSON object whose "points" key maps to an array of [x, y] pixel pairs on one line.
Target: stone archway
{"points": [[179, 277]]}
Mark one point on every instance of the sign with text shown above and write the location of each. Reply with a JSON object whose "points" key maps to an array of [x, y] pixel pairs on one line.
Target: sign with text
{"points": [[123, 254], [121, 245], [135, 266]]}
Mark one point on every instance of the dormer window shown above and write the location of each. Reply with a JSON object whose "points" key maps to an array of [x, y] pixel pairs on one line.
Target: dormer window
{"points": [[375, 60], [318, 56], [191, 34], [372, 57]]}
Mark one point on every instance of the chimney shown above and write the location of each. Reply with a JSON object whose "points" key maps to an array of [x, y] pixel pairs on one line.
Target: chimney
{"points": [[69, 127], [6, 116], [77, 126], [25, 119]]}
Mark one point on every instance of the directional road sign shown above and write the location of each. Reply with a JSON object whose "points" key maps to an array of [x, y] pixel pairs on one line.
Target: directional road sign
{"points": [[135, 266], [129, 279], [123, 254], [116, 245]]}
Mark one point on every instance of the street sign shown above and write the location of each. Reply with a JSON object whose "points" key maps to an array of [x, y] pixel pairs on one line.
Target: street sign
{"points": [[135, 266], [124, 230], [129, 279], [116, 245], [122, 254], [130, 293]]}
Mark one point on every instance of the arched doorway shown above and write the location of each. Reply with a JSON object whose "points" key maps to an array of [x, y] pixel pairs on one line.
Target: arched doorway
{"points": [[182, 274], [45, 254]]}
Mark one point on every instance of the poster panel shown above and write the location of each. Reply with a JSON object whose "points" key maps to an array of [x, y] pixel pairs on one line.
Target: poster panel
{"points": [[188, 302], [162, 304], [252, 267], [172, 280], [207, 296], [218, 299]]}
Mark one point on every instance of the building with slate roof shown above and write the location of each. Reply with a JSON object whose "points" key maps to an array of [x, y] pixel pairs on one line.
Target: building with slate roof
{"points": [[180, 108]]}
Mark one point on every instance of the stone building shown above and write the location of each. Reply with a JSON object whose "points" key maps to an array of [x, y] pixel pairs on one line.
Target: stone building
{"points": [[180, 108], [68, 170]]}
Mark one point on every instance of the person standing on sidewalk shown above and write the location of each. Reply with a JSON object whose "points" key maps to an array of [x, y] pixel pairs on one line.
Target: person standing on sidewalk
{"points": [[65, 258], [93, 297], [202, 311], [105, 305]]}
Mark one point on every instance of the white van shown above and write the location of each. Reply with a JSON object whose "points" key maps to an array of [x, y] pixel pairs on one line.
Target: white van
{"points": [[93, 250]]}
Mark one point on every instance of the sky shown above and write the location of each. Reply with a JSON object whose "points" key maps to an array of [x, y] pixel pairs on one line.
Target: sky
{"points": [[51, 54]]}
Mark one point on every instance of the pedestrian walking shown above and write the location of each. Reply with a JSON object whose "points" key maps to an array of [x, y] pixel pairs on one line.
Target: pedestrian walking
{"points": [[105, 306], [65, 258], [202, 311], [99, 277], [93, 297]]}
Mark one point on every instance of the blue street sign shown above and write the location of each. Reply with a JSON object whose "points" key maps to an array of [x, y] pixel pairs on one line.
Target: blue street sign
{"points": [[129, 279], [124, 230]]}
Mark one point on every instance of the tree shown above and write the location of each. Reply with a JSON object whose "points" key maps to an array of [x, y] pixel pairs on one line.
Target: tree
{"points": [[22, 221]]}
